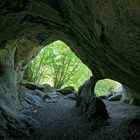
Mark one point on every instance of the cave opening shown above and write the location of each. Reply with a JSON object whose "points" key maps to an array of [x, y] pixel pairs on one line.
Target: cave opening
{"points": [[110, 90], [57, 66], [57, 69], [105, 35]]}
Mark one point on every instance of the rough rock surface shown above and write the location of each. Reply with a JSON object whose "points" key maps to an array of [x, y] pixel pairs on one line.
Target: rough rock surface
{"points": [[116, 97], [123, 94], [17, 122], [28, 99], [33, 86], [127, 96], [93, 106], [62, 121], [72, 96], [67, 90], [104, 34]]}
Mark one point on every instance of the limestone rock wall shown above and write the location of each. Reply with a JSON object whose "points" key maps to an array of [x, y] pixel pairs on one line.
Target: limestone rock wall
{"points": [[104, 34]]}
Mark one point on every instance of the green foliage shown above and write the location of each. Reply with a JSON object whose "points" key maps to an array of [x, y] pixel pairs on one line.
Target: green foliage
{"points": [[104, 86], [58, 66]]}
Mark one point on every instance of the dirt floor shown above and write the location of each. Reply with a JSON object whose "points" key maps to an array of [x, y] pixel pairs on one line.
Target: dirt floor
{"points": [[60, 120]]}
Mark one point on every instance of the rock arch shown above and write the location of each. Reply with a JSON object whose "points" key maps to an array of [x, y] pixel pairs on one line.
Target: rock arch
{"points": [[103, 34]]}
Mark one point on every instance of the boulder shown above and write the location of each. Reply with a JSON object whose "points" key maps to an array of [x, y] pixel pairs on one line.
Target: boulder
{"points": [[72, 96], [85, 94], [46, 96], [59, 94], [115, 97], [123, 93], [106, 96], [29, 99], [109, 94], [33, 86], [102, 97], [47, 86], [127, 95], [97, 108], [54, 94], [38, 93], [92, 105], [66, 90]]}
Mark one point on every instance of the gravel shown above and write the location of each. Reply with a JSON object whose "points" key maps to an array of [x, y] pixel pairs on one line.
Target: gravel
{"points": [[60, 120]]}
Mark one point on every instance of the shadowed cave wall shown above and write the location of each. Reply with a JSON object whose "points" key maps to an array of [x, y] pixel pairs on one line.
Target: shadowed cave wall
{"points": [[104, 34]]}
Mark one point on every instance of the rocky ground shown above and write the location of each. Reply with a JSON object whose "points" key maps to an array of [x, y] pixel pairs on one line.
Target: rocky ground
{"points": [[60, 120]]}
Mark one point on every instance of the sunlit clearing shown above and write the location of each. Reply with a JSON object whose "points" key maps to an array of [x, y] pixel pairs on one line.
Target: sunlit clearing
{"points": [[57, 66], [106, 86]]}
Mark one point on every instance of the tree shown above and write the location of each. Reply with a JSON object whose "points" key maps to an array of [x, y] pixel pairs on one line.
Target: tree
{"points": [[57, 64]]}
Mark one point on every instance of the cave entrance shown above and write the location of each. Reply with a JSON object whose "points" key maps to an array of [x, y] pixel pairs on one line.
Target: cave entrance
{"points": [[56, 65], [109, 89]]}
